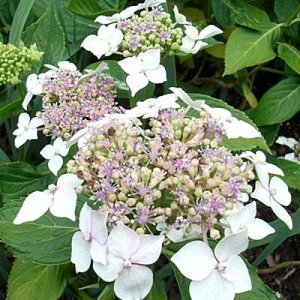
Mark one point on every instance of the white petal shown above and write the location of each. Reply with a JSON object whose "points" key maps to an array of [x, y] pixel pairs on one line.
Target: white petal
{"points": [[98, 226], [27, 100], [64, 203], [130, 65], [33, 84], [187, 45], [261, 194], [60, 147], [55, 164], [110, 271], [192, 32], [157, 75], [291, 157], [85, 219], [105, 20], [209, 31], [20, 140], [180, 93], [272, 169], [48, 152], [134, 283], [34, 206], [259, 229], [195, 260], [80, 255], [30, 134], [282, 214], [237, 272], [247, 130], [149, 249], [150, 59], [67, 66], [69, 180], [212, 288], [95, 45], [290, 142], [282, 194], [198, 46], [231, 245], [180, 18], [23, 120], [99, 252], [136, 82], [123, 241], [77, 136]]}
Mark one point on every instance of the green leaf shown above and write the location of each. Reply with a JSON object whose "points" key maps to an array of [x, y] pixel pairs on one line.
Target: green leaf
{"points": [[47, 33], [290, 55], [18, 179], [107, 293], [87, 8], [183, 283], [158, 291], [28, 281], [239, 144], [222, 13], [19, 20], [270, 133], [246, 48], [4, 157], [285, 9], [279, 103], [143, 94], [248, 15], [259, 290], [45, 241], [8, 108]]}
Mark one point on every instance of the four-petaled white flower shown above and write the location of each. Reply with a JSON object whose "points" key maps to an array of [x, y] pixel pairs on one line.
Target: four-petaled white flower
{"points": [[55, 153], [274, 193], [34, 85], [180, 18], [151, 107], [143, 68], [192, 42], [60, 199], [260, 164], [291, 143], [245, 219], [27, 129], [215, 275], [90, 242], [128, 255], [106, 42]]}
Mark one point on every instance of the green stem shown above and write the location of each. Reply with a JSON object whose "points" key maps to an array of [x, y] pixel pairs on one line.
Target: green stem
{"points": [[271, 70]]}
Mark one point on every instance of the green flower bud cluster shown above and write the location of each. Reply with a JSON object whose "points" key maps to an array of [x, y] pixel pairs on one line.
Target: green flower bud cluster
{"points": [[15, 60], [151, 29]]}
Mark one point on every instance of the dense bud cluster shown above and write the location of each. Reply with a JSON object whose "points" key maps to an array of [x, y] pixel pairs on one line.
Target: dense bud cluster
{"points": [[14, 60], [151, 29], [70, 101], [175, 172]]}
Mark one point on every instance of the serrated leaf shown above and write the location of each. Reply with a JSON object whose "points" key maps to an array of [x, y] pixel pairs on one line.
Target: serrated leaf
{"points": [[239, 144], [48, 35], [279, 103], [290, 55], [246, 48], [28, 281]]}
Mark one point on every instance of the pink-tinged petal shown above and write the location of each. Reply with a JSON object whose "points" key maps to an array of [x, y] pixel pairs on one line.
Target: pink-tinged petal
{"points": [[85, 221], [231, 245], [64, 203], [98, 252], [237, 273], [212, 288], [149, 250], [136, 82], [98, 226], [282, 214], [134, 283], [209, 31], [195, 260], [157, 75], [48, 152], [281, 194], [34, 206], [259, 229], [123, 242], [110, 271], [55, 164], [80, 255], [131, 65], [69, 180], [261, 194], [150, 59], [27, 100]]}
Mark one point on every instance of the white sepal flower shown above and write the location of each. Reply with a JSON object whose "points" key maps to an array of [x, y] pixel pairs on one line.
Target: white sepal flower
{"points": [[34, 87], [27, 129], [63, 66], [246, 219], [60, 199], [90, 242], [151, 107], [150, 3], [260, 164], [192, 42], [181, 94], [106, 42], [143, 68], [128, 255], [215, 275], [55, 153], [290, 142], [123, 15], [180, 18], [275, 194]]}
